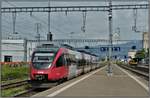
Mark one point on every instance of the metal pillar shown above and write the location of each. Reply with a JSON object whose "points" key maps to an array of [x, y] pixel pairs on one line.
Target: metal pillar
{"points": [[14, 22], [110, 37], [84, 21], [149, 39], [25, 50], [0, 32], [49, 31], [38, 25]]}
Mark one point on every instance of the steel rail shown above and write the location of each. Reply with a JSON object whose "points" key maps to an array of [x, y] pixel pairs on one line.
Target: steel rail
{"points": [[26, 92], [15, 84], [139, 72]]}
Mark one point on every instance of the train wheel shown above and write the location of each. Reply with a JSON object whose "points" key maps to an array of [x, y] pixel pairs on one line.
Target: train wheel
{"points": [[65, 79], [62, 80]]}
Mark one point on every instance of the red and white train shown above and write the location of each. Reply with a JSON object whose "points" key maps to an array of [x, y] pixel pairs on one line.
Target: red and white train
{"points": [[51, 63]]}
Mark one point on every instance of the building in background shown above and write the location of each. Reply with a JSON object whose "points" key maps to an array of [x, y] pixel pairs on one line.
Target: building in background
{"points": [[132, 53], [21, 50], [145, 40], [12, 50], [119, 51]]}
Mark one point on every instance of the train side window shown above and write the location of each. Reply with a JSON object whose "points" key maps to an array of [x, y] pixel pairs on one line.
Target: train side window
{"points": [[60, 61]]}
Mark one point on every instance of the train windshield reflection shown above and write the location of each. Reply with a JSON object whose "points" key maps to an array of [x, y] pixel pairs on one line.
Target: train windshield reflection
{"points": [[42, 60]]}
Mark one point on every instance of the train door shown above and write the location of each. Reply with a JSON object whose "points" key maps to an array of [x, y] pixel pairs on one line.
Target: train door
{"points": [[72, 67], [61, 70]]}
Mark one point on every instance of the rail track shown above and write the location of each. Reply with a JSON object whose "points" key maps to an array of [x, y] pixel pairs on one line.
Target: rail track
{"points": [[140, 70], [13, 85], [25, 93], [33, 91], [29, 91]]}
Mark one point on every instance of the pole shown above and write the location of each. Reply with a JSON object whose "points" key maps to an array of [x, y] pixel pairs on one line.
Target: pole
{"points": [[14, 22], [49, 17], [110, 37], [37, 31], [25, 50], [0, 32], [149, 38]]}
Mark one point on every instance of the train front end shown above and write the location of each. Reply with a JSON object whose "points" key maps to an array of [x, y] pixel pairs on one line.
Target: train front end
{"points": [[41, 67]]}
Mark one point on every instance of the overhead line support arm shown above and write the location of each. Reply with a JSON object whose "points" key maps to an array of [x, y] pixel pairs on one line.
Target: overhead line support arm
{"points": [[72, 8]]}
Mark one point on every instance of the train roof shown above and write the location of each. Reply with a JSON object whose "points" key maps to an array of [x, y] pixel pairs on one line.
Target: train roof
{"points": [[67, 46], [48, 47], [87, 52]]}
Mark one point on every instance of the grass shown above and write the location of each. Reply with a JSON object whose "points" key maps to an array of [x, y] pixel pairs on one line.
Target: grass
{"points": [[13, 91], [121, 63], [9, 73], [13, 74], [104, 63]]}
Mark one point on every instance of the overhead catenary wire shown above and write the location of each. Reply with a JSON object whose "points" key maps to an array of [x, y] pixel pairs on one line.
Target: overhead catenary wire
{"points": [[14, 16], [68, 18], [9, 2], [63, 20], [45, 23], [25, 28]]}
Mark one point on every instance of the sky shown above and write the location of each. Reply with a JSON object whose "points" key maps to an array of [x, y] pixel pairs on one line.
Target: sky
{"points": [[62, 25]]}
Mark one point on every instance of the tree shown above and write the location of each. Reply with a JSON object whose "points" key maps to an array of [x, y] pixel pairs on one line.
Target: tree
{"points": [[141, 54]]}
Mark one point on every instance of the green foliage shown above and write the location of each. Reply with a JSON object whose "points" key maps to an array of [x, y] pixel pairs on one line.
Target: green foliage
{"points": [[13, 72], [119, 63], [140, 54], [103, 59]]}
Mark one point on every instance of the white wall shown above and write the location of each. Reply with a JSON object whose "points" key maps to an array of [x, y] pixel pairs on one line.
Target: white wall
{"points": [[13, 48], [131, 54]]}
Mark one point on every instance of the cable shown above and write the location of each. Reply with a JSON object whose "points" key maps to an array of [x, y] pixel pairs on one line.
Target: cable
{"points": [[26, 29], [78, 0], [8, 2], [38, 19]]}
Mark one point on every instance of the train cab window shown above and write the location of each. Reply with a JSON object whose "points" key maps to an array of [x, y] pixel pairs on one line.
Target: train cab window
{"points": [[42, 60], [60, 61]]}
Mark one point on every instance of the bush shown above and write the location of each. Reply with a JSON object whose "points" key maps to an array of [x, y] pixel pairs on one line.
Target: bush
{"points": [[119, 63], [14, 72]]}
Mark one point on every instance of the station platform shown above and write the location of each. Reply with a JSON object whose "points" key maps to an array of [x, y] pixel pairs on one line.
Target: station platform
{"points": [[100, 83]]}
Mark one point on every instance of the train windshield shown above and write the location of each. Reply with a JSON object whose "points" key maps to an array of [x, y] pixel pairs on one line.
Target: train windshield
{"points": [[42, 60]]}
